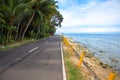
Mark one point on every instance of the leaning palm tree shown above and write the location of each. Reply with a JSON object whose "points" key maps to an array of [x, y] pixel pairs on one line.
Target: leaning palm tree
{"points": [[48, 8], [31, 10], [44, 9]]}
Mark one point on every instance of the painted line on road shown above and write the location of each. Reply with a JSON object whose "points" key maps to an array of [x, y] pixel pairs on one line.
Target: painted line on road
{"points": [[46, 42], [33, 49], [63, 64]]}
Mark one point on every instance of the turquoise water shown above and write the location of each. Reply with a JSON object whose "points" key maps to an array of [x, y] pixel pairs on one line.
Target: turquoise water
{"points": [[104, 46]]}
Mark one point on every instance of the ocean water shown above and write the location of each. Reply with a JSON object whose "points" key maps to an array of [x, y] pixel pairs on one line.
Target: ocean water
{"points": [[104, 46]]}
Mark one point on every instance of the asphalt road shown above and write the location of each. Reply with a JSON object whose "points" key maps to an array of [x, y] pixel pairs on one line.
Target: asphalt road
{"points": [[40, 60]]}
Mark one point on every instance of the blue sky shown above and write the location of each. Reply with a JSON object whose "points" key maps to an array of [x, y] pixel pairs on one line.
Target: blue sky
{"points": [[90, 16]]}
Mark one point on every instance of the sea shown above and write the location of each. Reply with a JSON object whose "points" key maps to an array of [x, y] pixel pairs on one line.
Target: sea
{"points": [[106, 47]]}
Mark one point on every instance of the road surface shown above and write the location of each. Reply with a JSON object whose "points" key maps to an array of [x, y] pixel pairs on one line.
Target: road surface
{"points": [[40, 60]]}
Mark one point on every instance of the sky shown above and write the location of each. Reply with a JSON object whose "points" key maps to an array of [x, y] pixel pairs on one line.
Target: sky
{"points": [[90, 16]]}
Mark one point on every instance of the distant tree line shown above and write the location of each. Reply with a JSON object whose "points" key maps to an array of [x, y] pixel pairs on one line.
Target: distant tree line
{"points": [[21, 19]]}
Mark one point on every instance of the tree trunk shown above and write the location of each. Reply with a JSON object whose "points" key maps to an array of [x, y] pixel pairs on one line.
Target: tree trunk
{"points": [[10, 32], [28, 25], [18, 26], [21, 30], [38, 32]]}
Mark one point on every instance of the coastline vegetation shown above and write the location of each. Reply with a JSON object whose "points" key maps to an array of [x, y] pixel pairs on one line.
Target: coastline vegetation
{"points": [[28, 19], [72, 72], [15, 44]]}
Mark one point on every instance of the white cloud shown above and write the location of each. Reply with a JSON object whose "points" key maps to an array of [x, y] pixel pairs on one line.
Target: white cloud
{"points": [[88, 30], [93, 13]]}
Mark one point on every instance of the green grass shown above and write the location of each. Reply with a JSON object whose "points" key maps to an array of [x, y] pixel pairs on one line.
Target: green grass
{"points": [[15, 44], [72, 72]]}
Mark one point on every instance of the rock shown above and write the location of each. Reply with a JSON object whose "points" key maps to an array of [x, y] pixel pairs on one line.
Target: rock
{"points": [[105, 66], [114, 60], [101, 63]]}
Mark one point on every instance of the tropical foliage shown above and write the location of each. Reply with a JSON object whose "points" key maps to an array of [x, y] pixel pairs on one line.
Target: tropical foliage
{"points": [[21, 19]]}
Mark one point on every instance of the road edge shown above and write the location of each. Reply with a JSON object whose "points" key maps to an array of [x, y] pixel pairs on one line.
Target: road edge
{"points": [[63, 65]]}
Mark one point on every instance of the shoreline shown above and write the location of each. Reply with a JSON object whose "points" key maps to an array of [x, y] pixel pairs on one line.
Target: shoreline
{"points": [[105, 47], [95, 63]]}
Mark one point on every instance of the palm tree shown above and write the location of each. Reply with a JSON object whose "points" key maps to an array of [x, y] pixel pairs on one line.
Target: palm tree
{"points": [[44, 9], [32, 10], [20, 17], [48, 8], [11, 10]]}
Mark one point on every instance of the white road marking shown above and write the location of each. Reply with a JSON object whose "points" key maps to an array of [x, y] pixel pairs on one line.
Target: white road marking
{"points": [[46, 42], [63, 64], [33, 49]]}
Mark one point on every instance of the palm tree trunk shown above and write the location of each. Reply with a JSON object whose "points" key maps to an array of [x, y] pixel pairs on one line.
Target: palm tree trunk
{"points": [[28, 25], [11, 25], [18, 26], [38, 32]]}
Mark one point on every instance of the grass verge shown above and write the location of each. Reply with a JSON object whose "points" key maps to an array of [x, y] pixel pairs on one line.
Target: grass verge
{"points": [[72, 72], [16, 43]]}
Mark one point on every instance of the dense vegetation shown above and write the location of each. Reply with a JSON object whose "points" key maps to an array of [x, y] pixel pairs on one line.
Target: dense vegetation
{"points": [[21, 19]]}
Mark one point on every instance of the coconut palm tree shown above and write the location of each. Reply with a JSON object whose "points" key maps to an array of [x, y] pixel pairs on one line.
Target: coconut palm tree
{"points": [[47, 8], [11, 10], [44, 9], [20, 17]]}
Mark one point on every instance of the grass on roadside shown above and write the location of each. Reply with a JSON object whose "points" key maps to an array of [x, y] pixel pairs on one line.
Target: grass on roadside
{"points": [[72, 72], [17, 43]]}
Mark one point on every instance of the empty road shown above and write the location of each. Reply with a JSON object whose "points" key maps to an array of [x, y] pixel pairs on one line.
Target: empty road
{"points": [[39, 60]]}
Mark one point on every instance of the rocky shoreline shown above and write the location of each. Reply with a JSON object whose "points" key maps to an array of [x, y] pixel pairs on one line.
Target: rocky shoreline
{"points": [[102, 70]]}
